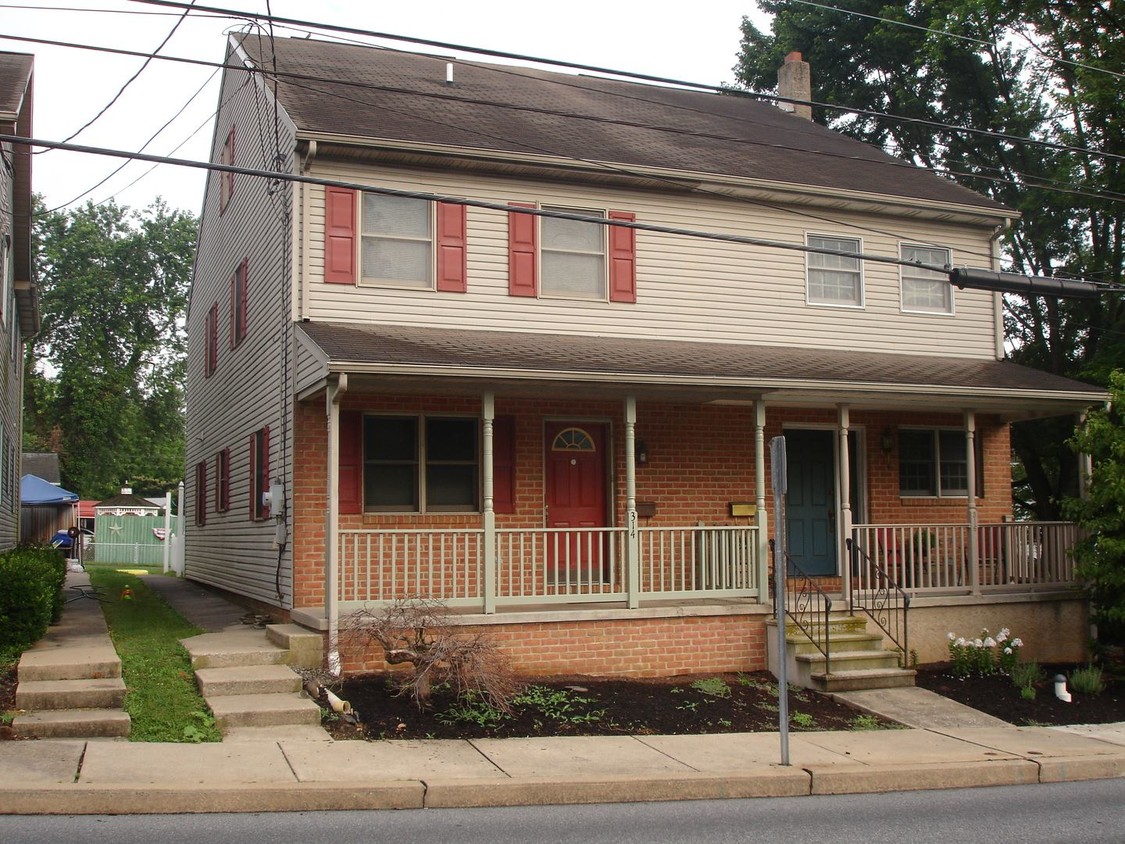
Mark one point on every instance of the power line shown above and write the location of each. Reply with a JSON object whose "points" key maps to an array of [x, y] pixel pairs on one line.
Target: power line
{"points": [[966, 275]]}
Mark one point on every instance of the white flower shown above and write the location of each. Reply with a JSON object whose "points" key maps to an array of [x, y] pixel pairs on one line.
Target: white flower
{"points": [[960, 642], [1003, 635], [1008, 651], [977, 643], [1017, 642], [990, 642], [951, 636]]}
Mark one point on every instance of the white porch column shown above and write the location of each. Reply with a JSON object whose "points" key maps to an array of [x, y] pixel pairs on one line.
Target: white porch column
{"points": [[632, 536], [334, 395], [845, 500], [488, 516], [762, 519], [971, 492]]}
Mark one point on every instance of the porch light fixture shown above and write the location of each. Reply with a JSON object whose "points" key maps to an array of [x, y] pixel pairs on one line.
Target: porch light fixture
{"points": [[887, 441], [640, 452]]}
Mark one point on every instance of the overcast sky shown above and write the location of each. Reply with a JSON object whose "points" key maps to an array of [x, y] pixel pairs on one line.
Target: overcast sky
{"points": [[699, 43]]}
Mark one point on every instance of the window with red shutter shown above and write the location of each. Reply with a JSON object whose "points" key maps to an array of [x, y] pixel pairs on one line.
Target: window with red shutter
{"points": [[622, 258], [351, 463], [452, 263], [222, 481], [201, 493], [523, 248], [259, 473], [238, 298], [339, 235], [212, 361]]}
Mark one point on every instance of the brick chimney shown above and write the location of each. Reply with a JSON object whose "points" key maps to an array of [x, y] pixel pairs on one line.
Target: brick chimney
{"points": [[795, 81]]}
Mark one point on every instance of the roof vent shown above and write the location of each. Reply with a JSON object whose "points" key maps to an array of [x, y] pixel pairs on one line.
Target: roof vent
{"points": [[794, 81], [126, 490], [449, 73]]}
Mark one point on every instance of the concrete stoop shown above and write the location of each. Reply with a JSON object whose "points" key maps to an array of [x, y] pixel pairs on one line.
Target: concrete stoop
{"points": [[74, 692], [247, 679], [858, 659]]}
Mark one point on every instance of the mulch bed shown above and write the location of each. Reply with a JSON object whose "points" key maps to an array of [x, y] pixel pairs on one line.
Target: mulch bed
{"points": [[996, 695], [586, 706]]}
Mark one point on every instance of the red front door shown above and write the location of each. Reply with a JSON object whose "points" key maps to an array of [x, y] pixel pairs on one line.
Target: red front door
{"points": [[576, 498]]}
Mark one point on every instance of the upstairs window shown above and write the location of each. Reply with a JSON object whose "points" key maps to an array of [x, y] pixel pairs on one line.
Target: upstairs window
{"points": [[834, 278], [226, 178], [572, 260], [926, 291], [394, 241], [212, 362], [934, 463], [238, 303]]}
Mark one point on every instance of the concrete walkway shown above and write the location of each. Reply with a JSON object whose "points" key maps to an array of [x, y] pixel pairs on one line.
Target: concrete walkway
{"points": [[949, 749]]}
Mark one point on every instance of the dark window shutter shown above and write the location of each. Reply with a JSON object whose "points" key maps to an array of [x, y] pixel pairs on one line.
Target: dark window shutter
{"points": [[253, 476], [351, 462], [452, 261], [523, 246], [504, 464], [243, 313], [339, 235], [231, 342], [264, 509], [622, 259]]}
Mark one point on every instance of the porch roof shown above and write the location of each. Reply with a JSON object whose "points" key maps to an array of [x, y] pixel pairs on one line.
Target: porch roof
{"points": [[508, 362]]}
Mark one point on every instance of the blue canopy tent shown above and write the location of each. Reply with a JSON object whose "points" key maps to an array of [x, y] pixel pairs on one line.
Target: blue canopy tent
{"points": [[45, 509]]}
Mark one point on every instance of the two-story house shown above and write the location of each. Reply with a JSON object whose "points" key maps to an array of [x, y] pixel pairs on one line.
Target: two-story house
{"points": [[519, 341], [19, 303]]}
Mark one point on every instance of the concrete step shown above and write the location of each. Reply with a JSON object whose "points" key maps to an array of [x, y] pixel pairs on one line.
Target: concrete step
{"points": [[284, 732], [306, 647], [870, 678], [231, 648], [268, 710], [845, 641], [71, 663], [73, 723], [247, 680], [848, 660], [100, 693]]}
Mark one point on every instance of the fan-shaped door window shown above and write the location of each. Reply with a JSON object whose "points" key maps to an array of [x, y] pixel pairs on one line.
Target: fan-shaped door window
{"points": [[573, 439]]}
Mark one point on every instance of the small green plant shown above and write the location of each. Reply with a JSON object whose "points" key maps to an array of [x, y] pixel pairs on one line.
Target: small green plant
{"points": [[1027, 692], [472, 709], [1025, 675], [802, 720], [865, 722], [203, 730], [752, 683], [712, 687], [689, 705], [1088, 680]]}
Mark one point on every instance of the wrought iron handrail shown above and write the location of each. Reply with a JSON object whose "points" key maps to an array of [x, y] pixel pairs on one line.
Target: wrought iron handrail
{"points": [[886, 604], [805, 602]]}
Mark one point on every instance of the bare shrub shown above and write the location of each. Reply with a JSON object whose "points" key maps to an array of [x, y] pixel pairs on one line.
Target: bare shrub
{"points": [[417, 632]]}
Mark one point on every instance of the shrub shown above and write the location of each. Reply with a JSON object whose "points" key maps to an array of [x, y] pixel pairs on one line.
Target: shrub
{"points": [[31, 582], [1088, 680], [1026, 675]]}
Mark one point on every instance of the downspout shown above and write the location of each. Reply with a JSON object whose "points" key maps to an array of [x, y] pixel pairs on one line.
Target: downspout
{"points": [[971, 493], [998, 298], [762, 521], [842, 547], [336, 389]]}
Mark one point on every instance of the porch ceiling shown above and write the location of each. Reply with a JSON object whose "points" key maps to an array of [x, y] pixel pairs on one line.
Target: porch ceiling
{"points": [[410, 359]]}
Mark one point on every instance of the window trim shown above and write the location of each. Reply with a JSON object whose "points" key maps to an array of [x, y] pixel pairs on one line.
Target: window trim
{"points": [[937, 492], [861, 303], [421, 463], [397, 284], [543, 249], [904, 271], [222, 480]]}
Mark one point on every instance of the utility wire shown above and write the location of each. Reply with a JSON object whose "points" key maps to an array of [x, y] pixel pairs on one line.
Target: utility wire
{"points": [[496, 206]]}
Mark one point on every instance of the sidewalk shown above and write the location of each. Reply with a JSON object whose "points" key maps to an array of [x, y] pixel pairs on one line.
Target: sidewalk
{"points": [[953, 751]]}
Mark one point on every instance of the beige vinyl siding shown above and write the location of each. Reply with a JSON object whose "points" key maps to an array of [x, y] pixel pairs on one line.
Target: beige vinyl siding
{"points": [[687, 288], [249, 389]]}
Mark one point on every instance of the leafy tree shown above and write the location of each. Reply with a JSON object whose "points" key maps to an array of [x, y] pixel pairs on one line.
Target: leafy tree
{"points": [[1042, 69], [1101, 555], [105, 375]]}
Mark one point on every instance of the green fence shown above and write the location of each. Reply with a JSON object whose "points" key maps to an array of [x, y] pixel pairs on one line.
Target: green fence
{"points": [[133, 540]]}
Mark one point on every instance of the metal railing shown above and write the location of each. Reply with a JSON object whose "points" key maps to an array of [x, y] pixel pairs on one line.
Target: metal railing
{"points": [[882, 600], [808, 606]]}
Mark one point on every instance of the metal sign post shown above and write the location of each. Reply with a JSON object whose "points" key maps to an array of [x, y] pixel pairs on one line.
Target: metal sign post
{"points": [[780, 487]]}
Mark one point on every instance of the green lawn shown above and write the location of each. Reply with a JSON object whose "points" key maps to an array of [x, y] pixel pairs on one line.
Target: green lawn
{"points": [[161, 696]]}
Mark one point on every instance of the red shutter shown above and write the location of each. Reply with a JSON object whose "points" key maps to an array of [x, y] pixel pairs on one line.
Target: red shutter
{"points": [[350, 492], [233, 311], [622, 259], [504, 464], [523, 248], [243, 323], [452, 270], [253, 475], [339, 235], [264, 511]]}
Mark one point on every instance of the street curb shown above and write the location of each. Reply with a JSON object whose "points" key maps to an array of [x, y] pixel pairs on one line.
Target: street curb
{"points": [[468, 793], [861, 779], [1075, 768]]}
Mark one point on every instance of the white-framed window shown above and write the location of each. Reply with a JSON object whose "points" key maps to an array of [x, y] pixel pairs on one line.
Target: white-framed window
{"points": [[925, 291], [419, 464], [933, 462], [572, 258], [397, 241], [836, 277]]}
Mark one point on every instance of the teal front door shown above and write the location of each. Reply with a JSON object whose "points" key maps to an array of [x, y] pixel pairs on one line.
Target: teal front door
{"points": [[810, 508]]}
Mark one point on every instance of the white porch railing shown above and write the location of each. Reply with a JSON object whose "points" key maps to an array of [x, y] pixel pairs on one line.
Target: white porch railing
{"points": [[1009, 556], [548, 565]]}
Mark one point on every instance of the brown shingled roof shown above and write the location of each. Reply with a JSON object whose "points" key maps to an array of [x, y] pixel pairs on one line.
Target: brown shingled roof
{"points": [[373, 93], [766, 368], [15, 70]]}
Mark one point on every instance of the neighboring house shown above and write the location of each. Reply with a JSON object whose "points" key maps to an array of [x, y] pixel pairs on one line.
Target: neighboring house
{"points": [[127, 504], [45, 509], [19, 303], [560, 427]]}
